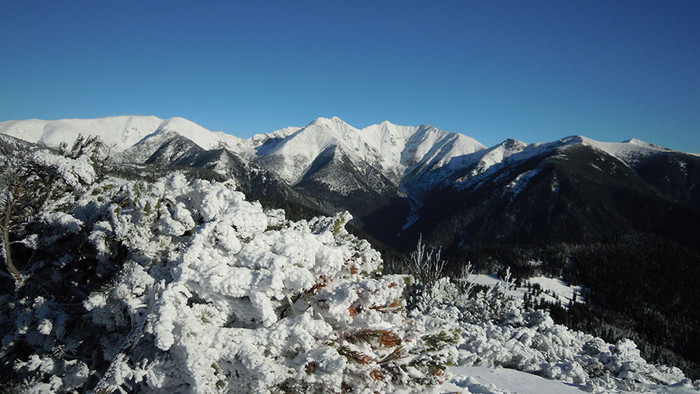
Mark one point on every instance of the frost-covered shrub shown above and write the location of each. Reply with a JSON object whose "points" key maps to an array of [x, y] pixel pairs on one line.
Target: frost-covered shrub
{"points": [[241, 308], [202, 291], [41, 324], [425, 264], [497, 331], [36, 186], [76, 172]]}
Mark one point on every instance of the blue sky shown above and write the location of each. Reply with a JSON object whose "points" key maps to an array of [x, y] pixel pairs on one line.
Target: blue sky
{"points": [[531, 70]]}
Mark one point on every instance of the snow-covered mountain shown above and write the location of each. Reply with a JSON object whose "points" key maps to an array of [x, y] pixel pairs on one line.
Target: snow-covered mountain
{"points": [[389, 176], [389, 149], [337, 166], [572, 189], [416, 160], [365, 170], [118, 132]]}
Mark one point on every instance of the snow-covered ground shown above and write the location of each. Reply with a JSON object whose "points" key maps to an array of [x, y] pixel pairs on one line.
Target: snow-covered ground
{"points": [[553, 289], [485, 380], [503, 380]]}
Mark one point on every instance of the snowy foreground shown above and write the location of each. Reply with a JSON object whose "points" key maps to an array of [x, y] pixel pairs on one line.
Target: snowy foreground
{"points": [[487, 380], [181, 285]]}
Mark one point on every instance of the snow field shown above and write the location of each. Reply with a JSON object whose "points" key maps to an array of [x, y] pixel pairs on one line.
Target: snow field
{"points": [[486, 380], [553, 289]]}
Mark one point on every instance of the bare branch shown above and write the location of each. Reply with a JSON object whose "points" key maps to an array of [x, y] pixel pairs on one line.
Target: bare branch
{"points": [[6, 251], [426, 264]]}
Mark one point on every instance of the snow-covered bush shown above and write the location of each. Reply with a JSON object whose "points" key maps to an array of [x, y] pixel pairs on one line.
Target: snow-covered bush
{"points": [[198, 290], [251, 302], [31, 181], [496, 330]]}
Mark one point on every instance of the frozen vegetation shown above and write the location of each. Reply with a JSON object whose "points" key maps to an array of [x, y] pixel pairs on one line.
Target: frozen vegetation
{"points": [[181, 285]]}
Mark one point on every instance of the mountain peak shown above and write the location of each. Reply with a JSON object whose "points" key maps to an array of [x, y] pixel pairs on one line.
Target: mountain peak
{"points": [[638, 142], [512, 144], [178, 122], [327, 121], [573, 139]]}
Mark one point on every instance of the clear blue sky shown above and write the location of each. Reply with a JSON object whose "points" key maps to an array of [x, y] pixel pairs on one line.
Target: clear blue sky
{"points": [[536, 71]]}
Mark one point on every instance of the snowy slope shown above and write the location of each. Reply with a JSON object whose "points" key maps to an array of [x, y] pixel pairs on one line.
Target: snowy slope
{"points": [[293, 155], [511, 152], [553, 289], [404, 147], [142, 151], [487, 380], [256, 141], [120, 132], [389, 140], [502, 380], [394, 150], [630, 151], [199, 135], [468, 169]]}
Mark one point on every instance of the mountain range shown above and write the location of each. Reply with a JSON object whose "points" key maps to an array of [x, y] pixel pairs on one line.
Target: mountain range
{"points": [[403, 181], [619, 219]]}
